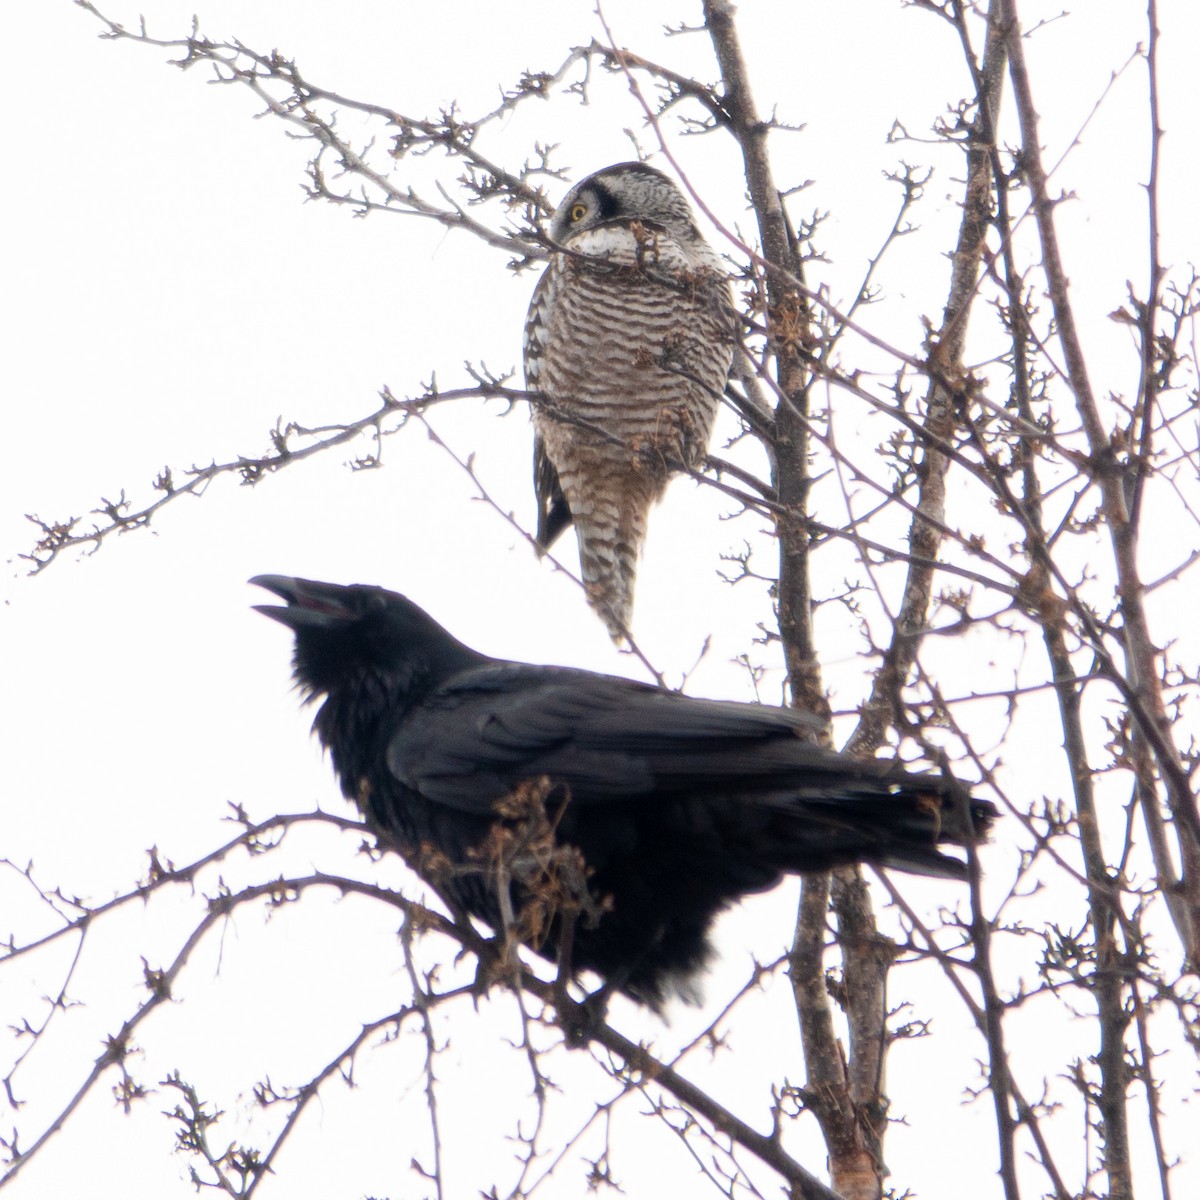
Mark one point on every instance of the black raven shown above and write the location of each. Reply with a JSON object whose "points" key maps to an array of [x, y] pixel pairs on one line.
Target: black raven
{"points": [[677, 806]]}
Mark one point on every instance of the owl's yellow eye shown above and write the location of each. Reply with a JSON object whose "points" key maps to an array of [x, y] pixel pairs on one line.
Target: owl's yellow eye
{"points": [[578, 212]]}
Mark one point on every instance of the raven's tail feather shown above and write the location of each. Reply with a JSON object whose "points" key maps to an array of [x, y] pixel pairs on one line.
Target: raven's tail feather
{"points": [[900, 825]]}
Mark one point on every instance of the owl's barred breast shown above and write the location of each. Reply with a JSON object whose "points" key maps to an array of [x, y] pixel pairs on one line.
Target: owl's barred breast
{"points": [[639, 349]]}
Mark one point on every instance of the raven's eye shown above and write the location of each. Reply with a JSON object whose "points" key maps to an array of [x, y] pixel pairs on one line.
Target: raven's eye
{"points": [[578, 212]]}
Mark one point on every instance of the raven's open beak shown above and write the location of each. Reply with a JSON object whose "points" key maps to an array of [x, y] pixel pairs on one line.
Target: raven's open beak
{"points": [[310, 603]]}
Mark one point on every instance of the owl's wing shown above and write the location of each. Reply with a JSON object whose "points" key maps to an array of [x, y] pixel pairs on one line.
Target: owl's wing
{"points": [[553, 514]]}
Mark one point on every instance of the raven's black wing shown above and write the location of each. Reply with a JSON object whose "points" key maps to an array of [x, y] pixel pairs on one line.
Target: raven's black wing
{"points": [[469, 743]]}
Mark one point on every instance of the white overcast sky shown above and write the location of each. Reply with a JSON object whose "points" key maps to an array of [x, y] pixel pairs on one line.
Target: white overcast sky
{"points": [[167, 296]]}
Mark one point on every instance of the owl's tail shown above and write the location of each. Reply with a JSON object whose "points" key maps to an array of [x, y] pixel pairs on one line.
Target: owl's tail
{"points": [[610, 540]]}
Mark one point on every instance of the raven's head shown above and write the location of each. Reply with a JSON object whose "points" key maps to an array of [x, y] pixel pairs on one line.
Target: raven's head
{"points": [[353, 636]]}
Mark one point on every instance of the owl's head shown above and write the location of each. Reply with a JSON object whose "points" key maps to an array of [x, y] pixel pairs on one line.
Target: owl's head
{"points": [[629, 191]]}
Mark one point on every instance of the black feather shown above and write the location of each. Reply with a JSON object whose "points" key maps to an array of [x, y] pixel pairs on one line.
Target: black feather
{"points": [[554, 514], [678, 806]]}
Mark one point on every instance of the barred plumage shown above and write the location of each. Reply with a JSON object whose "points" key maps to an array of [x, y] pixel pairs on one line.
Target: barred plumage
{"points": [[628, 341]]}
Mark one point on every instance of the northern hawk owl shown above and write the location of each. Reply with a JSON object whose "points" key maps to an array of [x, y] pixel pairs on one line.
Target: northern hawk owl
{"points": [[628, 343]]}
